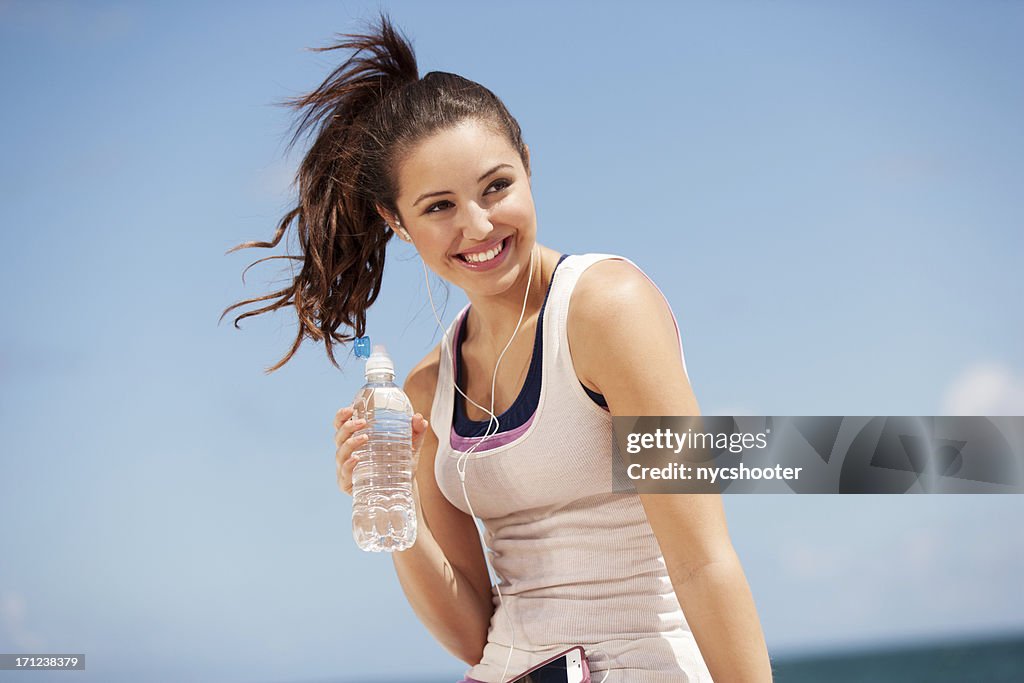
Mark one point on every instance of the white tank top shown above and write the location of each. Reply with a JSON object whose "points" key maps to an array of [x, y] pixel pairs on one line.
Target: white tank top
{"points": [[578, 564]]}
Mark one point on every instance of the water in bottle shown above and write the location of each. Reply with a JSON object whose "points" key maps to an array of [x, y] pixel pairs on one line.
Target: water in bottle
{"points": [[383, 513]]}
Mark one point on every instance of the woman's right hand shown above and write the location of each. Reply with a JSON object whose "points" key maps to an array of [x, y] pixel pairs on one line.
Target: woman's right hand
{"points": [[348, 441]]}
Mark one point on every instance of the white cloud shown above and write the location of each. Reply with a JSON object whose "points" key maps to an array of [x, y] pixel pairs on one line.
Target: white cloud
{"points": [[13, 626], [985, 389], [819, 562]]}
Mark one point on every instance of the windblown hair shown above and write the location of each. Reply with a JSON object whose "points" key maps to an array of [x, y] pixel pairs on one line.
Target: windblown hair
{"points": [[365, 118]]}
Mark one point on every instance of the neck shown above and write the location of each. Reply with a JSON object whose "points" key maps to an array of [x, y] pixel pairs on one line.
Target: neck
{"points": [[495, 317]]}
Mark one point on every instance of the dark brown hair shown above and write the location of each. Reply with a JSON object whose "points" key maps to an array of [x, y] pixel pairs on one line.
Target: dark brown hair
{"points": [[367, 115]]}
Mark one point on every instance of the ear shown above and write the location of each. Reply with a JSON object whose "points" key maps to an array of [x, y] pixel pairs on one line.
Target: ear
{"points": [[526, 148], [389, 218]]}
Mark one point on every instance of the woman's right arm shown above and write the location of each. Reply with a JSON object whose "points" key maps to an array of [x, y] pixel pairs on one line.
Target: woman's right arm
{"points": [[443, 574]]}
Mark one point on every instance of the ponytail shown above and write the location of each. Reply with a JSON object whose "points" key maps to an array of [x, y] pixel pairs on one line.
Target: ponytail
{"points": [[363, 118]]}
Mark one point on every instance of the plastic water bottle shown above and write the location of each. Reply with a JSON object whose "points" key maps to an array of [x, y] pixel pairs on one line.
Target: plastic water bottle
{"points": [[383, 512]]}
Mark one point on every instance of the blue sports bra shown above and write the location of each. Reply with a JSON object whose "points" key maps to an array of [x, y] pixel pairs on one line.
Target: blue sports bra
{"points": [[523, 408]]}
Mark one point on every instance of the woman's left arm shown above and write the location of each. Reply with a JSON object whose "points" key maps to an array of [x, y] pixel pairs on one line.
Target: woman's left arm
{"points": [[613, 299]]}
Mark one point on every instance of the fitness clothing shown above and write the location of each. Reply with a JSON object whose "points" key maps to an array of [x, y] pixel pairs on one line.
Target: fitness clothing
{"points": [[577, 564], [521, 411]]}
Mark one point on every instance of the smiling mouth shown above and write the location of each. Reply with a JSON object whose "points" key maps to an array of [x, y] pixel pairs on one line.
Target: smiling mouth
{"points": [[485, 256]]}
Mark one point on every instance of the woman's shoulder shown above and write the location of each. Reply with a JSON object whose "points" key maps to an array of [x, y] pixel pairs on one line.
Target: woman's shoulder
{"points": [[616, 312], [421, 382], [613, 289], [625, 342]]}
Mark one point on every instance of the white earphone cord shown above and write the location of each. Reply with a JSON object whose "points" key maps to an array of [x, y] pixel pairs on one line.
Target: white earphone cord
{"points": [[493, 420]]}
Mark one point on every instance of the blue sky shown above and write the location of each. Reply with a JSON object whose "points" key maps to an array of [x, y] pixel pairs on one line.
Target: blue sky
{"points": [[827, 193]]}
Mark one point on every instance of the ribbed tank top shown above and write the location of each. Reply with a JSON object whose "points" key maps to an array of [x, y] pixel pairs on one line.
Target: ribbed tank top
{"points": [[518, 415], [577, 564]]}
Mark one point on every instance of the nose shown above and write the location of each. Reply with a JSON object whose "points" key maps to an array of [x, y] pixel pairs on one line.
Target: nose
{"points": [[477, 222]]}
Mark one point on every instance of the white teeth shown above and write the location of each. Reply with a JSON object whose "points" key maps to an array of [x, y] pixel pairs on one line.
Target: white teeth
{"points": [[484, 256]]}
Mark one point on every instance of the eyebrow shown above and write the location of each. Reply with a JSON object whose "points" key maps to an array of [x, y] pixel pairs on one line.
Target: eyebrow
{"points": [[434, 194]]}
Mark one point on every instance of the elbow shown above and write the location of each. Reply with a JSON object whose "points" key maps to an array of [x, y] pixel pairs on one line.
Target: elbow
{"points": [[727, 567], [466, 636], [469, 649]]}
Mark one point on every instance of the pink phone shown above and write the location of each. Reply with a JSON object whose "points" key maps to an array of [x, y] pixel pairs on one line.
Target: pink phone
{"points": [[566, 667]]}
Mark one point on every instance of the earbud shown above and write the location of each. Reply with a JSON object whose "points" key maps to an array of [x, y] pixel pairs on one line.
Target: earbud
{"points": [[403, 232]]}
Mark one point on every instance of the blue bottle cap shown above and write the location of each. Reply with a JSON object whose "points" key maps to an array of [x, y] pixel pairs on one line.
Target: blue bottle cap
{"points": [[363, 347]]}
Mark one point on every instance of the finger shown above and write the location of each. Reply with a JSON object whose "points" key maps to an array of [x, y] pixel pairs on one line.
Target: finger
{"points": [[342, 415], [419, 424], [346, 455], [345, 470], [419, 430], [347, 447], [347, 429]]}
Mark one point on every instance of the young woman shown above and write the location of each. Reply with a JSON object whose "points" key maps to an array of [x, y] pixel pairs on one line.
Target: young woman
{"points": [[441, 163]]}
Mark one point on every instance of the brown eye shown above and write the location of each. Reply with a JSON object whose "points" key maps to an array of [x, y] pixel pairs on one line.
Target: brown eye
{"points": [[501, 184], [430, 209]]}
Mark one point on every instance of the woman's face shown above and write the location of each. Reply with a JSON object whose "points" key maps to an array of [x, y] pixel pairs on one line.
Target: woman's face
{"points": [[464, 196]]}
